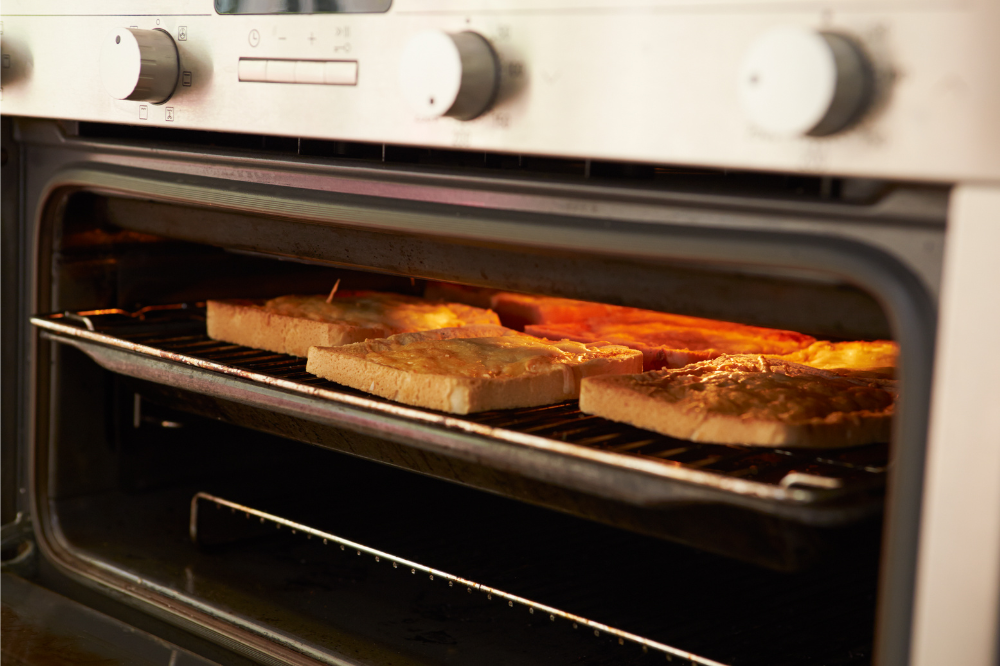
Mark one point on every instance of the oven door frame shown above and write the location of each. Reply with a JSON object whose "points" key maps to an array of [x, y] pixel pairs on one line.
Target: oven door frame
{"points": [[61, 165]]}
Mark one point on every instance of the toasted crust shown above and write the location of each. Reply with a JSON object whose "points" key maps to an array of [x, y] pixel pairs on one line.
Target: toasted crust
{"points": [[251, 324], [661, 402], [350, 365]]}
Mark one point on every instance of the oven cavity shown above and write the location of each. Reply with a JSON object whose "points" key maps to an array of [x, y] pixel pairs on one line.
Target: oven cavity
{"points": [[341, 526]]}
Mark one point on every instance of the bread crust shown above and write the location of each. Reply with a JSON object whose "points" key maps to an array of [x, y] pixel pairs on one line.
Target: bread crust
{"points": [[634, 399], [249, 323], [348, 365]]}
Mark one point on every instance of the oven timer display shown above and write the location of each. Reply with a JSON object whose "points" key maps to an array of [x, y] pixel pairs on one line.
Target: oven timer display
{"points": [[302, 6]]}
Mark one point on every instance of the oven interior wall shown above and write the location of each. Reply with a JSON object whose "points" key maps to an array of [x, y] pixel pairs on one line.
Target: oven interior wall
{"points": [[809, 302]]}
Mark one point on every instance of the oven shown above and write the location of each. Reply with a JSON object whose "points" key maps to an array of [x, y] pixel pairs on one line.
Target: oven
{"points": [[224, 505]]}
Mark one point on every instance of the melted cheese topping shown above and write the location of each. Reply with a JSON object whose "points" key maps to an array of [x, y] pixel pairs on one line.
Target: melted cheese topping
{"points": [[400, 313], [509, 356], [753, 388]]}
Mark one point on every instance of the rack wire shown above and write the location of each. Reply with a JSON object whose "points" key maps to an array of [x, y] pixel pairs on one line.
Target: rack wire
{"points": [[598, 628], [799, 477]]}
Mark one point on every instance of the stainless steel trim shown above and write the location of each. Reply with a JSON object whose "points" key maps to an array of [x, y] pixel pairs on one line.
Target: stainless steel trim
{"points": [[957, 615]]}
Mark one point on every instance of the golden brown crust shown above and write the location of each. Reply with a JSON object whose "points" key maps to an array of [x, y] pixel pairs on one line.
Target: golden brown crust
{"points": [[286, 326], [749, 400], [352, 365]]}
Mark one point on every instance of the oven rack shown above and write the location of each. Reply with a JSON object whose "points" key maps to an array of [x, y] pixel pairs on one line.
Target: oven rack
{"points": [[555, 444], [554, 614]]}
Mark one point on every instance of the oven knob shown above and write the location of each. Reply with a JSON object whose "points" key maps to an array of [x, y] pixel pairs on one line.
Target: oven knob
{"points": [[140, 65], [442, 74], [796, 81]]}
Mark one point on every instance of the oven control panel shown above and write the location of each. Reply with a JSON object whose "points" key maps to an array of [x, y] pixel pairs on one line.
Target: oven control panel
{"points": [[898, 89]]}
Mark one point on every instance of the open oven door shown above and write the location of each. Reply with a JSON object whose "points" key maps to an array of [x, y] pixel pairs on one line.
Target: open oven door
{"points": [[42, 627]]}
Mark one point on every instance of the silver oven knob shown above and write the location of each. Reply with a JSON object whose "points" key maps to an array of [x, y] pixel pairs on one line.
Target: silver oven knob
{"points": [[140, 65], [442, 74], [796, 81]]}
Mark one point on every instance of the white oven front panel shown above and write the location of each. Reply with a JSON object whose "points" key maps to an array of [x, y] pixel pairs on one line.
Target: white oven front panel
{"points": [[650, 81]]}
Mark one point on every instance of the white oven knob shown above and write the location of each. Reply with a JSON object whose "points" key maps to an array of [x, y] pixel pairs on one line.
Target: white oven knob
{"points": [[140, 65], [796, 81], [442, 74]]}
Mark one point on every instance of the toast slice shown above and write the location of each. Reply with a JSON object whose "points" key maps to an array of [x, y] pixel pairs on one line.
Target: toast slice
{"points": [[747, 399], [874, 359], [519, 310], [665, 340], [470, 369], [293, 324], [673, 341], [450, 292]]}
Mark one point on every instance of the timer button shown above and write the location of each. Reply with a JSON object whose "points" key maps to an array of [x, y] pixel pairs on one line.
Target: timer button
{"points": [[796, 81], [448, 74], [140, 65]]}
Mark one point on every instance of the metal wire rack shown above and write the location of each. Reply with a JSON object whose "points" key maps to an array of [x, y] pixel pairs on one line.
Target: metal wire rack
{"points": [[553, 613], [176, 333]]}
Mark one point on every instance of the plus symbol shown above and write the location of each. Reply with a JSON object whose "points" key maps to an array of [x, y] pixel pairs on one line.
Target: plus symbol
{"points": [[311, 39]]}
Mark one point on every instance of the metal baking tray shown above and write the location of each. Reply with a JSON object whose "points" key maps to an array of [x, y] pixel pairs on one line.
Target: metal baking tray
{"points": [[558, 444]]}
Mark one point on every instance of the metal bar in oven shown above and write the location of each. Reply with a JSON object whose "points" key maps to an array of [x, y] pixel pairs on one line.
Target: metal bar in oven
{"points": [[414, 567]]}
